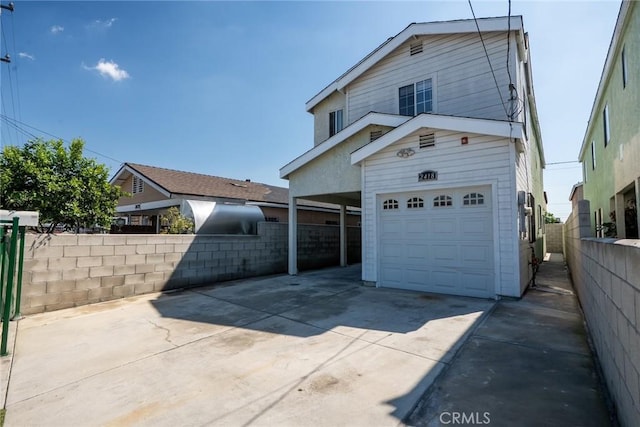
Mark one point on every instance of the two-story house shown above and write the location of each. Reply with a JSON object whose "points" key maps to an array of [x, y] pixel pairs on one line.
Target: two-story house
{"points": [[435, 136], [610, 152]]}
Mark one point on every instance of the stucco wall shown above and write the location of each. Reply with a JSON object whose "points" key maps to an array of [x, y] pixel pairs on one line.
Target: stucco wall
{"points": [[62, 271], [617, 164], [331, 172], [606, 276], [335, 101]]}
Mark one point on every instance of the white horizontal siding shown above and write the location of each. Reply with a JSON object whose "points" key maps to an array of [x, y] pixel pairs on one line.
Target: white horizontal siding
{"points": [[463, 83], [485, 160]]}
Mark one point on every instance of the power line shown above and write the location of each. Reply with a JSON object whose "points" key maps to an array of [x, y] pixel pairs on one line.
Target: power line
{"points": [[495, 80], [563, 163], [13, 33], [17, 128], [9, 119]]}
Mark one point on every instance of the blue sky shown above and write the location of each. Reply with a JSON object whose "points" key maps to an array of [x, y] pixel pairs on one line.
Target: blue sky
{"points": [[220, 87]]}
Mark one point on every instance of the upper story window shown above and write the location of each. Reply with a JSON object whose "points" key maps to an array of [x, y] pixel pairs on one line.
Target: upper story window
{"points": [[137, 185], [335, 122], [605, 124], [623, 61], [416, 98], [390, 204], [415, 202], [593, 155], [473, 199]]}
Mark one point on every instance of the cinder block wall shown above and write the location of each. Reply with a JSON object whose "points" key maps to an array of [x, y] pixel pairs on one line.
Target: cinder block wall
{"points": [[553, 235], [606, 276], [62, 271]]}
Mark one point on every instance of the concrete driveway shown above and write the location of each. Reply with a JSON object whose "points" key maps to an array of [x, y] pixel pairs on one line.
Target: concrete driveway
{"points": [[315, 349]]}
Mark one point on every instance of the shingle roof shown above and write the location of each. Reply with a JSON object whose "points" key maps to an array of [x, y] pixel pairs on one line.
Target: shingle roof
{"points": [[189, 183]]}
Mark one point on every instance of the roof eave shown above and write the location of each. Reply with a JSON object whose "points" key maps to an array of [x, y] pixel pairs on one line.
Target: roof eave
{"points": [[379, 119], [512, 130]]}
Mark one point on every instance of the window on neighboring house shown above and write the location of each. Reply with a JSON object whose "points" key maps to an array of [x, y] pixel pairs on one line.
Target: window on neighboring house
{"points": [[605, 124], [271, 219], [390, 204], [415, 202], [532, 219], [593, 155], [137, 185], [335, 122], [442, 200], [416, 98], [540, 217], [584, 171], [623, 61]]}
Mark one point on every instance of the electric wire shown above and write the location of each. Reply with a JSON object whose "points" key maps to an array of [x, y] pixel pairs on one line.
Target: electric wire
{"points": [[16, 122], [17, 128], [562, 163], [6, 49], [495, 80], [13, 33]]}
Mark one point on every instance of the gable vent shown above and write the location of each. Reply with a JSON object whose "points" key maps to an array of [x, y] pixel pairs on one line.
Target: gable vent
{"points": [[415, 48], [428, 140], [375, 135], [137, 185]]}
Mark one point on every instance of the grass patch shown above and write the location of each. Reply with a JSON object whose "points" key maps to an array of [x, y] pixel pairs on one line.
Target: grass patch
{"points": [[2, 413]]}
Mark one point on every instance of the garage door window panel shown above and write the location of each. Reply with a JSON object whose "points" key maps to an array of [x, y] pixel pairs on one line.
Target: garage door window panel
{"points": [[473, 199], [390, 204], [415, 202], [442, 201]]}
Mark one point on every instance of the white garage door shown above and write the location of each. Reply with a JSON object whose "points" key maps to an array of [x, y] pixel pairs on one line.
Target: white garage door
{"points": [[437, 241]]}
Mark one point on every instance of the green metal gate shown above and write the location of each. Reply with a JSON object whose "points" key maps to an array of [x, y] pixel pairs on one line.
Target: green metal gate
{"points": [[11, 262]]}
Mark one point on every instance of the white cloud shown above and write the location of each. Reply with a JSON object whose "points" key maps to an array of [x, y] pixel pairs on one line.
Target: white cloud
{"points": [[56, 29], [99, 24], [26, 55], [109, 69]]}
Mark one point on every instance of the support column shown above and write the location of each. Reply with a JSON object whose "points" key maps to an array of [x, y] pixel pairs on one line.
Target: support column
{"points": [[293, 236], [621, 231], [343, 236]]}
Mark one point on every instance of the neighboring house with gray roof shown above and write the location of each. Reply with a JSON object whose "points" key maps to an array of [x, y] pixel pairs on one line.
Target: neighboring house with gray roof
{"points": [[153, 190]]}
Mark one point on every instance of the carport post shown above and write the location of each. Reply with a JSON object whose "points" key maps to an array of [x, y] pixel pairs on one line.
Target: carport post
{"points": [[293, 236], [343, 236]]}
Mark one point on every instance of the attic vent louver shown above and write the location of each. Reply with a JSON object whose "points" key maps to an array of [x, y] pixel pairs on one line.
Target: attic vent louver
{"points": [[375, 135], [428, 140], [415, 48]]}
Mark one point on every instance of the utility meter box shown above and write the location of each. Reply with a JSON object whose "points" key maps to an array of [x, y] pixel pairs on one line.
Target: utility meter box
{"points": [[27, 218]]}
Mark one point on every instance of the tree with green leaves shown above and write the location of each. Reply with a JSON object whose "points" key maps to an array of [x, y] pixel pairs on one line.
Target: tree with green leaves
{"points": [[549, 218], [67, 188], [175, 223]]}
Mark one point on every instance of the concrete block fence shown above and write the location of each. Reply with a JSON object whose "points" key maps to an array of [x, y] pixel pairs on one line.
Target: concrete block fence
{"points": [[606, 276], [62, 271], [553, 238]]}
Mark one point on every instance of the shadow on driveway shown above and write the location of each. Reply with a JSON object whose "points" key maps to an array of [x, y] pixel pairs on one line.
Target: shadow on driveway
{"points": [[315, 349]]}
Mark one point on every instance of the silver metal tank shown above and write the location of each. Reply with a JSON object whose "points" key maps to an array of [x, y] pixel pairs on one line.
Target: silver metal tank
{"points": [[222, 218]]}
